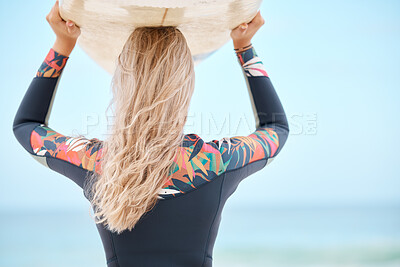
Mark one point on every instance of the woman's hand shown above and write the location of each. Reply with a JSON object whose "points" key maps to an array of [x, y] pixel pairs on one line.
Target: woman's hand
{"points": [[66, 31], [242, 34]]}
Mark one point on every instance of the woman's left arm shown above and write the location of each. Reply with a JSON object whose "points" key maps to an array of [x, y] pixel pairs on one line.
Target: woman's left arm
{"points": [[72, 157]]}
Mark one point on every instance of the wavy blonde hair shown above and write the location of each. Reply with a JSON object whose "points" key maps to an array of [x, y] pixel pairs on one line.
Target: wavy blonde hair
{"points": [[152, 87]]}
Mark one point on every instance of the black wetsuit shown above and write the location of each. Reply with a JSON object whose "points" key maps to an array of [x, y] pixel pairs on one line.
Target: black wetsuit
{"points": [[181, 229]]}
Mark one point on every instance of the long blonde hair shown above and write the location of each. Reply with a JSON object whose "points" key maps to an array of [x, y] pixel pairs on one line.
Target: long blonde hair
{"points": [[152, 87]]}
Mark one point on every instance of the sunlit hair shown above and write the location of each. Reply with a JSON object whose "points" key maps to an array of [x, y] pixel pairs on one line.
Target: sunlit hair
{"points": [[152, 87]]}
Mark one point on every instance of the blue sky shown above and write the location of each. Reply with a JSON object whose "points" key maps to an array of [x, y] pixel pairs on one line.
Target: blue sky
{"points": [[334, 64]]}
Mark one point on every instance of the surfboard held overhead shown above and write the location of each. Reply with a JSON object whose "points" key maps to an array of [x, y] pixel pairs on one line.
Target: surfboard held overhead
{"points": [[106, 25]]}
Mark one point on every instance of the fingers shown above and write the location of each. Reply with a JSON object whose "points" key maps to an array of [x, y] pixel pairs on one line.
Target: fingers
{"points": [[254, 24], [258, 20], [57, 7], [54, 15], [55, 10], [245, 31], [71, 27], [65, 30]]}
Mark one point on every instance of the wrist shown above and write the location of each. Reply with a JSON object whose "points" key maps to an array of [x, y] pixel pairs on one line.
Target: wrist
{"points": [[243, 49], [52, 65], [63, 46], [246, 55], [240, 44]]}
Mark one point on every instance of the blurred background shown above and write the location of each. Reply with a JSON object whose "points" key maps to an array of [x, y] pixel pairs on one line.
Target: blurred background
{"points": [[332, 197]]}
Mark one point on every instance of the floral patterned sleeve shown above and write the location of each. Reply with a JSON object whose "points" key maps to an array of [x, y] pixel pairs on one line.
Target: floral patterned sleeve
{"points": [[272, 127], [70, 156]]}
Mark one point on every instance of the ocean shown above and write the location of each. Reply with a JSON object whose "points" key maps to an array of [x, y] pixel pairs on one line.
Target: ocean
{"points": [[262, 236]]}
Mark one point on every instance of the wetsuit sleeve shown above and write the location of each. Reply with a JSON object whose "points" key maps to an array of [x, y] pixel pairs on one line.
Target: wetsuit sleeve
{"points": [[271, 129], [70, 156]]}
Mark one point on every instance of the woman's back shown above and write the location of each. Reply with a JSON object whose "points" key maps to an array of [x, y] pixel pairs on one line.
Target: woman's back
{"points": [[179, 231]]}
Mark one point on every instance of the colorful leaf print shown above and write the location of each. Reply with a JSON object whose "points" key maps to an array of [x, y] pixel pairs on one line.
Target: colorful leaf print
{"points": [[197, 162], [78, 151]]}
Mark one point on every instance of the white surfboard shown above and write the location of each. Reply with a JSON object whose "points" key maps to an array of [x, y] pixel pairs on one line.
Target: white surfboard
{"points": [[106, 24]]}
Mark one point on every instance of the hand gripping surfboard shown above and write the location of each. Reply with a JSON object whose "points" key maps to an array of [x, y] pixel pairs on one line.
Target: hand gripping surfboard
{"points": [[106, 24]]}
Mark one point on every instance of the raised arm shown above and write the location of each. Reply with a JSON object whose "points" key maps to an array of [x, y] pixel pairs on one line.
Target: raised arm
{"points": [[52, 149], [271, 129], [267, 107], [70, 156]]}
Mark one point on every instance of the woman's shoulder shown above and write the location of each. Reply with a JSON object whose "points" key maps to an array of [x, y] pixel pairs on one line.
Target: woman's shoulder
{"points": [[196, 162]]}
